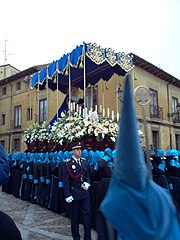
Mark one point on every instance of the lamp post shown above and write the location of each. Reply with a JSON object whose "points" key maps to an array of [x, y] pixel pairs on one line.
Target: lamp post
{"points": [[120, 94]]}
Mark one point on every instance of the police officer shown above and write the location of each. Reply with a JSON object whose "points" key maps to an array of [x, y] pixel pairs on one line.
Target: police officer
{"points": [[76, 184]]}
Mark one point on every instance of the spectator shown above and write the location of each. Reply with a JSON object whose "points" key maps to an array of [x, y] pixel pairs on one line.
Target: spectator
{"points": [[4, 167], [8, 228]]}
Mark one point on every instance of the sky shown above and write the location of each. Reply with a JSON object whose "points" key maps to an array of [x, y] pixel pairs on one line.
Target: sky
{"points": [[39, 31]]}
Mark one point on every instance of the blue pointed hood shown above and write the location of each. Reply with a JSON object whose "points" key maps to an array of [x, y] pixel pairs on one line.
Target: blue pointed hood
{"points": [[136, 206], [130, 164]]}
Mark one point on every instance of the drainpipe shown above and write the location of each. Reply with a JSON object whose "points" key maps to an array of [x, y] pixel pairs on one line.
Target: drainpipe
{"points": [[169, 118], [10, 119]]}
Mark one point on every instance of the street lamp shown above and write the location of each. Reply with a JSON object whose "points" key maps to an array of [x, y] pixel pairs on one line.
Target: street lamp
{"points": [[120, 93]]}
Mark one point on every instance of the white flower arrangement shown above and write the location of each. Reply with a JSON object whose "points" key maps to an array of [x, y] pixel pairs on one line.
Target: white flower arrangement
{"points": [[36, 132], [27, 134], [73, 126], [44, 131]]}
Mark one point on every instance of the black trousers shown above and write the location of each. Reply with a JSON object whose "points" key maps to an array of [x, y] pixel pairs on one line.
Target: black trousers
{"points": [[82, 207]]}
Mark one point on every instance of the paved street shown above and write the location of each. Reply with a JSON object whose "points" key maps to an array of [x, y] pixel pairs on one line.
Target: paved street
{"points": [[35, 222]]}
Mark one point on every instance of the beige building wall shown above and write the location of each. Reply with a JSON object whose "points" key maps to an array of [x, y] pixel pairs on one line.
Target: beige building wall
{"points": [[107, 97], [7, 71], [143, 78]]}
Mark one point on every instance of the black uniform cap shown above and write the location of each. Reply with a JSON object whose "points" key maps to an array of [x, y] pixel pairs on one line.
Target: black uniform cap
{"points": [[75, 145]]}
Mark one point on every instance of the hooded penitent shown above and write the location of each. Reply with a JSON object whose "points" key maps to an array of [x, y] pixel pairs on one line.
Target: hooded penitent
{"points": [[137, 207]]}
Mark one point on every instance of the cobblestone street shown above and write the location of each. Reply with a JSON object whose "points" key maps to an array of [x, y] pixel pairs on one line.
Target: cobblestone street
{"points": [[36, 222]]}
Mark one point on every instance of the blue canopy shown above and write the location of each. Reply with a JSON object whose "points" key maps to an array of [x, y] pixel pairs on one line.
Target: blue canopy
{"points": [[99, 63]]}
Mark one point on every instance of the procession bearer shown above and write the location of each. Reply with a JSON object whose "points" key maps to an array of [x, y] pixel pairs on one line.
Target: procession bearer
{"points": [[76, 183]]}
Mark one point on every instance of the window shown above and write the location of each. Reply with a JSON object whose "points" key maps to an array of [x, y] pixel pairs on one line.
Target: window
{"points": [[42, 110], [174, 104], [155, 139], [155, 110], [4, 91], [174, 109], [3, 119], [91, 97], [16, 146], [29, 114], [18, 86], [17, 118], [3, 143], [153, 102]]}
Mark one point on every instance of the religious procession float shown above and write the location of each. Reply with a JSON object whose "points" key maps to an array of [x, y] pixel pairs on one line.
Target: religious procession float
{"points": [[86, 64]]}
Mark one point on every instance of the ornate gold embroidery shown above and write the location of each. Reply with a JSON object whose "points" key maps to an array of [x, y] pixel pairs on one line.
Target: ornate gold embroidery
{"points": [[95, 53], [99, 55]]}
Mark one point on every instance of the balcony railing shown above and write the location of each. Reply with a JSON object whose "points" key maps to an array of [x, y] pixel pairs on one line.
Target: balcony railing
{"points": [[156, 112], [176, 117]]}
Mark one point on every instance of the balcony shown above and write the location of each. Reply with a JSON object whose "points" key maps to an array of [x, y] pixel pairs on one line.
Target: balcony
{"points": [[176, 117], [156, 112]]}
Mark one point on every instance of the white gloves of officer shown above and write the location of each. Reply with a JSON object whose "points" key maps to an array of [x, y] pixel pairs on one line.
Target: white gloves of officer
{"points": [[85, 185], [69, 199]]}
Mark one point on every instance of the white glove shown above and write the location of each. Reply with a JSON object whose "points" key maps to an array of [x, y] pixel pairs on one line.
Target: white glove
{"points": [[85, 185], [69, 199]]}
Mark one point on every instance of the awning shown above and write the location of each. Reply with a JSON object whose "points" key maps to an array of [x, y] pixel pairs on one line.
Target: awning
{"points": [[99, 63]]}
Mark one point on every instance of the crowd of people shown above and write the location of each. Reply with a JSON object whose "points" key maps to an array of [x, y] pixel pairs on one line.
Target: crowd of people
{"points": [[39, 177]]}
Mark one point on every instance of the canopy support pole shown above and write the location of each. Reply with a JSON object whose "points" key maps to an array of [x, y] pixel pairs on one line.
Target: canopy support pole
{"points": [[57, 81], [38, 117], [47, 86], [102, 93], [30, 99], [70, 109], [117, 86], [84, 80]]}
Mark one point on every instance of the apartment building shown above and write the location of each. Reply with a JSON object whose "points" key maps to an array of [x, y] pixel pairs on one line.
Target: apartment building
{"points": [[22, 105], [7, 70]]}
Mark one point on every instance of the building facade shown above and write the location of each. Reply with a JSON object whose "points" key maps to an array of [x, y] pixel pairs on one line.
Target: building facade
{"points": [[7, 70], [21, 105]]}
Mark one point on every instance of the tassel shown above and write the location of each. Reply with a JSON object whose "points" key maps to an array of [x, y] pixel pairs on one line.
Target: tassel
{"points": [[55, 80], [81, 64], [81, 61], [66, 72]]}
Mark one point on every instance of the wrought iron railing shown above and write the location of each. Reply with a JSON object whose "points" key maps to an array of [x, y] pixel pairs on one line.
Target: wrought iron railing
{"points": [[156, 112], [176, 117]]}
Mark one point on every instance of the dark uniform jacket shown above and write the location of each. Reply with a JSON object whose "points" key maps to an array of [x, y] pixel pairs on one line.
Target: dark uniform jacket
{"points": [[73, 177]]}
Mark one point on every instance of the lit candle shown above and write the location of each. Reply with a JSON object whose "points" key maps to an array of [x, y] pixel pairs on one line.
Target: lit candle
{"points": [[103, 112], [100, 109], [80, 110], [107, 112], [85, 115], [74, 106], [117, 116], [77, 108], [69, 105], [112, 115]]}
